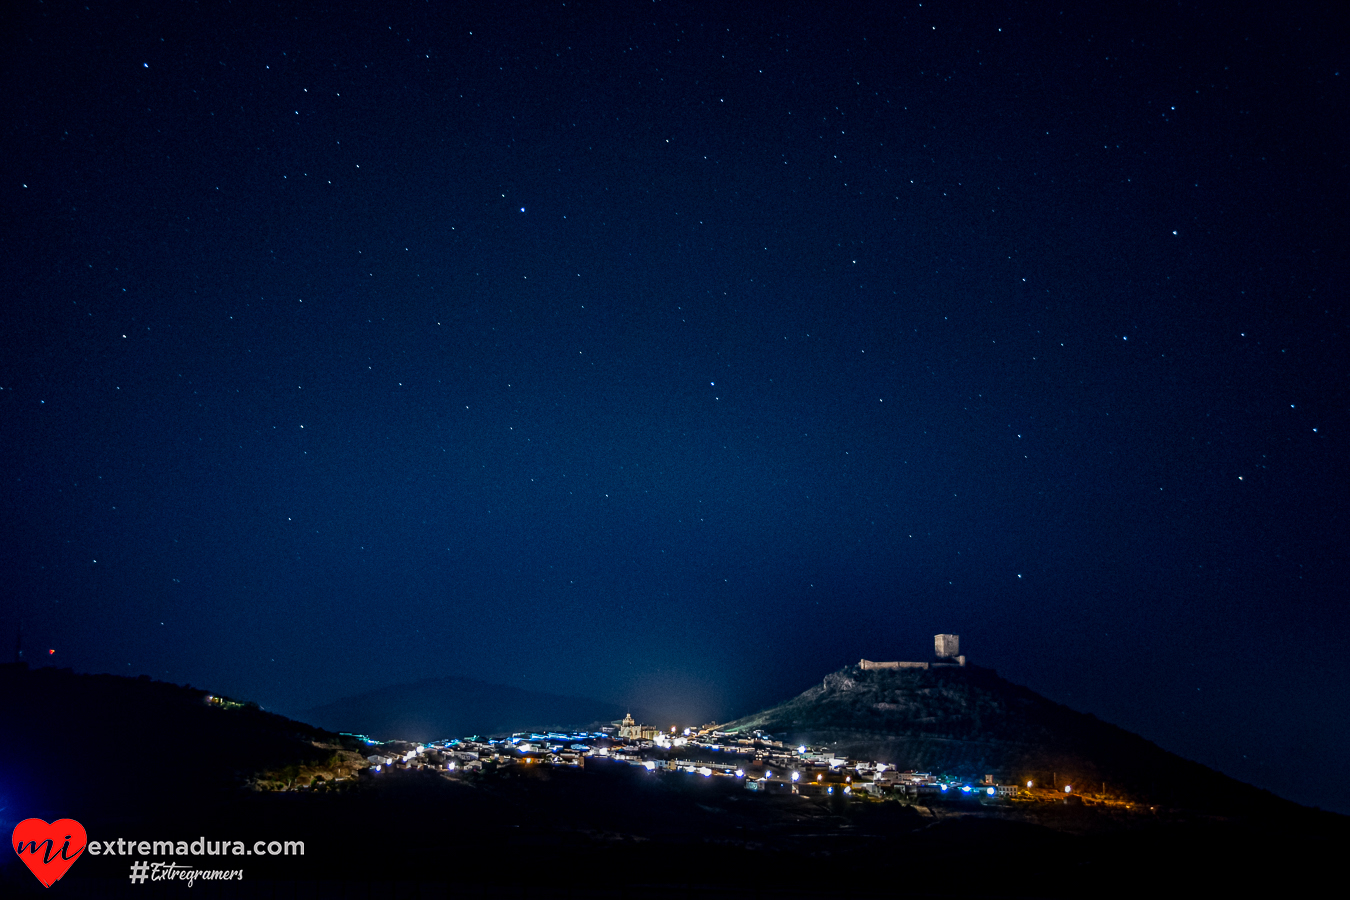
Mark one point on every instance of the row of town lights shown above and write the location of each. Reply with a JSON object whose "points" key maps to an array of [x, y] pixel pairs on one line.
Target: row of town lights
{"points": [[650, 765]]}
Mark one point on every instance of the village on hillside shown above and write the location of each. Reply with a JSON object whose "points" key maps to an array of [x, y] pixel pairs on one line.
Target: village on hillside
{"points": [[760, 761]]}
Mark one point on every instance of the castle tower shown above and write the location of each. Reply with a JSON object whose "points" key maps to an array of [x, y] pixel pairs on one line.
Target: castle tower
{"points": [[947, 646]]}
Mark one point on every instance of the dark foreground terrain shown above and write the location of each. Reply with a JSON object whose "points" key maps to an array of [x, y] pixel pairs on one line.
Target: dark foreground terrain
{"points": [[625, 832], [146, 761]]}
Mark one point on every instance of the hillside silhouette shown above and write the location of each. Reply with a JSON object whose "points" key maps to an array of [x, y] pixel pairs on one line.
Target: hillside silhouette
{"points": [[107, 743], [969, 721]]}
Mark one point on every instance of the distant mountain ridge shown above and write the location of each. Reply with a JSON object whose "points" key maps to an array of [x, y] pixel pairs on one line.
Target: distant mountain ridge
{"points": [[968, 720], [439, 708]]}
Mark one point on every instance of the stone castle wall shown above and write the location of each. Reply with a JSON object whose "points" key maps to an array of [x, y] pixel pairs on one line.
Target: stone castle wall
{"points": [[947, 648]]}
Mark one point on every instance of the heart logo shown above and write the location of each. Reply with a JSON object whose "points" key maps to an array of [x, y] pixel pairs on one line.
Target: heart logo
{"points": [[48, 850]]}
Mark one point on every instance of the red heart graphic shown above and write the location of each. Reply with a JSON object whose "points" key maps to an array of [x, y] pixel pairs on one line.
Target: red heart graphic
{"points": [[48, 850]]}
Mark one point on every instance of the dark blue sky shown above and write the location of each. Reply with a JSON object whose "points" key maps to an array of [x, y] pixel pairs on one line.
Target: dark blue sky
{"points": [[677, 356]]}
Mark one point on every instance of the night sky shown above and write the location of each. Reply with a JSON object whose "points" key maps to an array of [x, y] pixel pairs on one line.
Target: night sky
{"points": [[676, 355]]}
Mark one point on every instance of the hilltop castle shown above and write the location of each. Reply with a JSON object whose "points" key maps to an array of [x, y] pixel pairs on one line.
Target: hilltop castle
{"points": [[946, 647]]}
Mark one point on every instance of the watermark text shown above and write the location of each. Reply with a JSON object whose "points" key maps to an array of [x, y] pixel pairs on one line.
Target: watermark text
{"points": [[142, 871], [199, 847]]}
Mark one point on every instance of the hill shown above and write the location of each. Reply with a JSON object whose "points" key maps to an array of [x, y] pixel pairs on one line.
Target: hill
{"points": [[969, 721], [438, 708], [107, 743]]}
